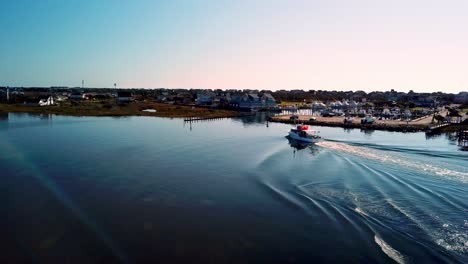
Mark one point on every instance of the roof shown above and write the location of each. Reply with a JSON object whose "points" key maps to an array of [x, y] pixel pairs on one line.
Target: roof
{"points": [[124, 94], [269, 96]]}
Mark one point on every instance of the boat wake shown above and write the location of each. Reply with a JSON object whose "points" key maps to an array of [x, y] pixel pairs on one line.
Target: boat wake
{"points": [[448, 234], [386, 157], [361, 212], [385, 196], [390, 252]]}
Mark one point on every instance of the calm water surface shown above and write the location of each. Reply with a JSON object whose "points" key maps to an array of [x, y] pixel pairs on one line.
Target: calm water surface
{"points": [[234, 190]]}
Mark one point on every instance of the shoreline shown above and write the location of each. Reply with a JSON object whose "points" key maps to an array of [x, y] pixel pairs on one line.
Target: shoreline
{"points": [[384, 127], [132, 109], [188, 114], [392, 127]]}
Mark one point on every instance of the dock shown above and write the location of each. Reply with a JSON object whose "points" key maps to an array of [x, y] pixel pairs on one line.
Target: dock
{"points": [[194, 118], [463, 139], [400, 126], [438, 127]]}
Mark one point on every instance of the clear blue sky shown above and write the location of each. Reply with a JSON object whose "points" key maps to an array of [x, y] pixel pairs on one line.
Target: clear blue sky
{"points": [[265, 44]]}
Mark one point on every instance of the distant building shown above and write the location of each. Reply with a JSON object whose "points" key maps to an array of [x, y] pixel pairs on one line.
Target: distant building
{"points": [[124, 97], [318, 106], [461, 98], [77, 96], [47, 102], [205, 98], [268, 100], [453, 117], [251, 101]]}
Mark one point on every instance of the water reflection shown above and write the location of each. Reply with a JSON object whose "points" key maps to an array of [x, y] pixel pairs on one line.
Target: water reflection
{"points": [[4, 116], [454, 138], [347, 129], [368, 132], [299, 146], [255, 119], [40, 116]]}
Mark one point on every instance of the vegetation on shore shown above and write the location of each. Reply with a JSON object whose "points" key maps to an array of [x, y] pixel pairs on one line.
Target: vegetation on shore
{"points": [[111, 108]]}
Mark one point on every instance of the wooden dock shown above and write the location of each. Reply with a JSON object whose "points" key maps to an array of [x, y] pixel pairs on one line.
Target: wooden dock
{"points": [[438, 127], [463, 138], [192, 119]]}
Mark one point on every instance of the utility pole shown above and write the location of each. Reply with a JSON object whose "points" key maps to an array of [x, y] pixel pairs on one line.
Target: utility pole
{"points": [[82, 84], [8, 93]]}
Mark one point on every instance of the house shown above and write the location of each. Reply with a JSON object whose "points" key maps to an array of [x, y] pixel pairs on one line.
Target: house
{"points": [[268, 100], [318, 106], [407, 114], [453, 117], [77, 96], [247, 101], [206, 98], [461, 98], [183, 98], [250, 101], [336, 105], [124, 97], [60, 98], [47, 102], [225, 99]]}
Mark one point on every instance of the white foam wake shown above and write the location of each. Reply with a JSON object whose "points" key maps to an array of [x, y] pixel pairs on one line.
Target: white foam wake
{"points": [[389, 251], [394, 159], [360, 211]]}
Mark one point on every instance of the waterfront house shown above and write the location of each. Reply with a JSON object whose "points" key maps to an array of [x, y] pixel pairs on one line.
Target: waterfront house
{"points": [[206, 98], [77, 96], [386, 113], [453, 117], [268, 100], [407, 114], [250, 101], [316, 106], [183, 98], [60, 98], [47, 102], [124, 97]]}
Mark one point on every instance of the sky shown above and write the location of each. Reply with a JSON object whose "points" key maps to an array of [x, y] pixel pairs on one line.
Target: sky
{"points": [[236, 44]]}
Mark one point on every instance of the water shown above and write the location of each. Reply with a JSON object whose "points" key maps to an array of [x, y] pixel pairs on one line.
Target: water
{"points": [[86, 190]]}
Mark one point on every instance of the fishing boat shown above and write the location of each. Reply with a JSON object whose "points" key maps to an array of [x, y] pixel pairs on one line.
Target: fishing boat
{"points": [[304, 134]]}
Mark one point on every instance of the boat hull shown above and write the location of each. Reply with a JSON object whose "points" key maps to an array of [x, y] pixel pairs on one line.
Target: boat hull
{"points": [[303, 139]]}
